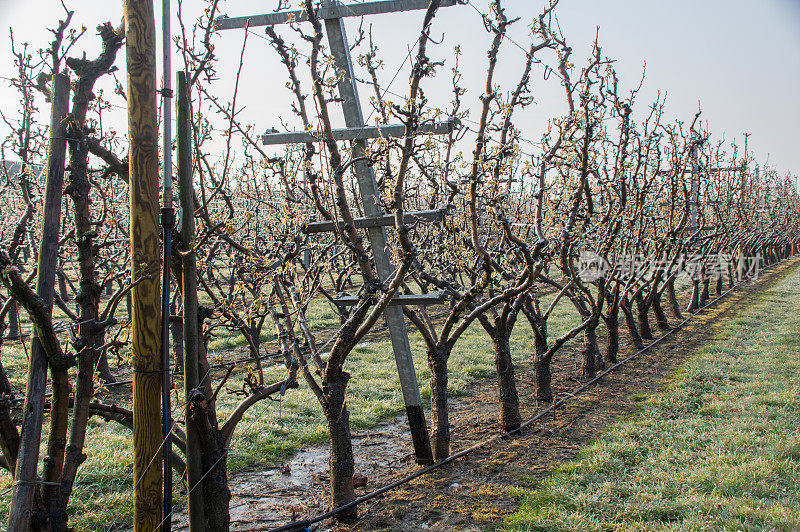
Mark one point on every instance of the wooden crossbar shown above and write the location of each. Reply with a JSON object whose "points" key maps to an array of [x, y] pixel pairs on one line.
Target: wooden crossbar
{"points": [[326, 12], [726, 169], [383, 220], [713, 170], [360, 133], [400, 299]]}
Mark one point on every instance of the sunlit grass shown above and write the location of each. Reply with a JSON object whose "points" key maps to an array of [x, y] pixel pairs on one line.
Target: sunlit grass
{"points": [[718, 447], [270, 432]]}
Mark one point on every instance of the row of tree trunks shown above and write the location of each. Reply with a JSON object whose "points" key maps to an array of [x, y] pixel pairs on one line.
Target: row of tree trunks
{"points": [[637, 323]]}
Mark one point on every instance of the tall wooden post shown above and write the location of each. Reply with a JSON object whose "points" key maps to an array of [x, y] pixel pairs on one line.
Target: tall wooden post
{"points": [[191, 366], [19, 514], [140, 38], [167, 223]]}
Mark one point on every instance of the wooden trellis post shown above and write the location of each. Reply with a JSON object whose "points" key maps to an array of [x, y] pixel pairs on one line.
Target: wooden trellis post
{"points": [[191, 366], [25, 477], [140, 38], [333, 13]]}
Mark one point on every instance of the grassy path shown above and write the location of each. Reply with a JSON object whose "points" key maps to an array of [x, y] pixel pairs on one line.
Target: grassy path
{"points": [[717, 448]]}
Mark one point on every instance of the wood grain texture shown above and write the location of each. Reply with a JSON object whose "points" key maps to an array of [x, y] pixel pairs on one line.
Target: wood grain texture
{"points": [[145, 262]]}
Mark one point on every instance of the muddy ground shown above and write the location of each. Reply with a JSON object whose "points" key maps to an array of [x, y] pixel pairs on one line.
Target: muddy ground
{"points": [[473, 492]]}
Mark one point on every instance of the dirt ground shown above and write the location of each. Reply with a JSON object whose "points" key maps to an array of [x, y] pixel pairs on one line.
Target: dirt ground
{"points": [[473, 492]]}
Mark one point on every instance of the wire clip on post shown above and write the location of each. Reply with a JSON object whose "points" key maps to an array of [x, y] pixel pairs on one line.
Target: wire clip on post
{"points": [[167, 218]]}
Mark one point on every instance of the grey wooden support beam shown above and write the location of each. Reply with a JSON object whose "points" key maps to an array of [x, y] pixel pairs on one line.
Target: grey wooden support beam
{"points": [[726, 169], [382, 220], [332, 12], [368, 190], [360, 133], [712, 170], [327, 12], [398, 300]]}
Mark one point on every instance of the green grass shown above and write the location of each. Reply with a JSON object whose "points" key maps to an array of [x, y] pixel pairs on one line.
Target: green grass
{"points": [[271, 432], [717, 448]]}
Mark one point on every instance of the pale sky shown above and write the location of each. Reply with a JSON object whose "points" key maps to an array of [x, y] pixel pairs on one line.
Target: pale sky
{"points": [[739, 58]]}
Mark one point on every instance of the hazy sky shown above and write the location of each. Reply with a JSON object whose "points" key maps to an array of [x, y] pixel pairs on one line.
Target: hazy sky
{"points": [[740, 59]]}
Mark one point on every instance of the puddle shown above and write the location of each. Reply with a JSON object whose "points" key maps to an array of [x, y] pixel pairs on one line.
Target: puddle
{"points": [[299, 489]]}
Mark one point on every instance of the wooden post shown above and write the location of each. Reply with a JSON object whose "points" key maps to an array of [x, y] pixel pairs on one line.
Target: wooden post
{"points": [[167, 224], [19, 515], [140, 38], [191, 366], [328, 10]]}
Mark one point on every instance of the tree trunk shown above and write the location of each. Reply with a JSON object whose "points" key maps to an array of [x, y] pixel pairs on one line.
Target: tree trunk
{"points": [[694, 302], [232, 281], [56, 498], [9, 434], [589, 352], [216, 495], [673, 300], [62, 285], [641, 317], [437, 360], [342, 463], [612, 337], [254, 330], [544, 377], [103, 367], [541, 365], [56, 446], [13, 321], [507, 386], [661, 317], [705, 292], [731, 269], [129, 305], [627, 311], [64, 462]]}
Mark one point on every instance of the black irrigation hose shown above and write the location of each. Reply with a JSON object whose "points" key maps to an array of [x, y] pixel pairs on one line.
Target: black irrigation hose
{"points": [[305, 524]]}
